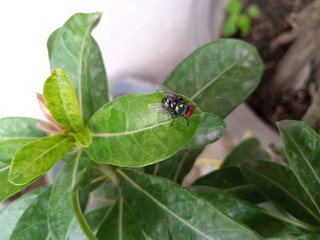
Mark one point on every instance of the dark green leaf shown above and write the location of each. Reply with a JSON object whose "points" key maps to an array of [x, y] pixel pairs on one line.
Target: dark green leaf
{"points": [[218, 76], [18, 127], [176, 167], [120, 223], [279, 184], [60, 212], [127, 132], [245, 151], [72, 48], [210, 130], [61, 100], [231, 180], [37, 157], [246, 213], [182, 214], [10, 215], [33, 222], [302, 148], [310, 236]]}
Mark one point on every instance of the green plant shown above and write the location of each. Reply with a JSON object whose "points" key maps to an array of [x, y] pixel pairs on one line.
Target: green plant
{"points": [[239, 20], [131, 162]]}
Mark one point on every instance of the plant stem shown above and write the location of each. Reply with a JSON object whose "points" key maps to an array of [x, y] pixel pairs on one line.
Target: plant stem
{"points": [[312, 116]]}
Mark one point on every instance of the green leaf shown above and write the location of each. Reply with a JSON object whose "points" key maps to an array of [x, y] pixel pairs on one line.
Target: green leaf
{"points": [[231, 180], [247, 150], [83, 137], [72, 48], [120, 223], [7, 188], [254, 11], [10, 215], [33, 222], [60, 211], [218, 76], [234, 7], [18, 127], [37, 157], [127, 132], [9, 147], [61, 100], [279, 184], [229, 28], [210, 130], [94, 219], [246, 213], [182, 214], [310, 236], [243, 23], [302, 148], [177, 166]]}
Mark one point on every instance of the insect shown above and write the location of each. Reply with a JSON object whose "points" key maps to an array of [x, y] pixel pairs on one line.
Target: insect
{"points": [[173, 104]]}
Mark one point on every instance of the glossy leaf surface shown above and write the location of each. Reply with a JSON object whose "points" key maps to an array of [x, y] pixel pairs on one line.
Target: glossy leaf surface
{"points": [[33, 222], [72, 48], [61, 100], [218, 76], [127, 132], [210, 130], [60, 211], [181, 213], [279, 184], [176, 167], [245, 212], [302, 148], [37, 157]]}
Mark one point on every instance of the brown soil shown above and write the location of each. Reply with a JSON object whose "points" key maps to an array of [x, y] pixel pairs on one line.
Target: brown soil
{"points": [[273, 22]]}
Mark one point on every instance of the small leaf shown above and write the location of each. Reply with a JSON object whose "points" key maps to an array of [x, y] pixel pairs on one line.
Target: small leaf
{"points": [[33, 222], [72, 48], [234, 7], [127, 132], [37, 157], [83, 137], [229, 28], [302, 148], [279, 184], [218, 76], [243, 23], [254, 11], [210, 130], [10, 215], [61, 100], [176, 167], [175, 210], [60, 211], [245, 151]]}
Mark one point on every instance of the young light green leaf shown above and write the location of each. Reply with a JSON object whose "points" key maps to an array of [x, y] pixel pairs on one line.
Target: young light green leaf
{"points": [[18, 127], [183, 214], [177, 166], [302, 148], [83, 137], [61, 100], [10, 215], [33, 222], [60, 210], [7, 188], [127, 132], [218, 76], [279, 184], [37, 157], [245, 151], [72, 48], [120, 223], [246, 213], [210, 130]]}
